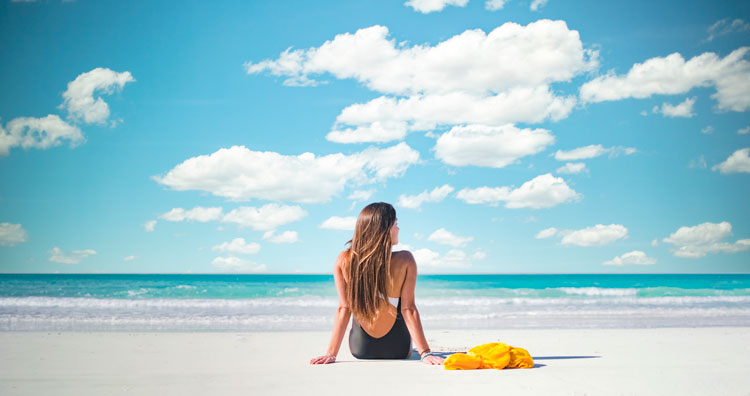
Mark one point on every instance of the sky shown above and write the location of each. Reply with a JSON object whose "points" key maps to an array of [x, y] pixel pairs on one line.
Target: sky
{"points": [[512, 136]]}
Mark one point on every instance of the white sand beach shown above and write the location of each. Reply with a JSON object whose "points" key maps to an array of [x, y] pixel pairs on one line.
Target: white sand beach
{"points": [[664, 361]]}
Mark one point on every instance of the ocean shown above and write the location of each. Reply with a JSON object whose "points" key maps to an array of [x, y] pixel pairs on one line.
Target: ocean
{"points": [[167, 302]]}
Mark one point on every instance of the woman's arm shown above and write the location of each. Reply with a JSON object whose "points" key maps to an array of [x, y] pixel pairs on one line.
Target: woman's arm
{"points": [[343, 314], [411, 314]]}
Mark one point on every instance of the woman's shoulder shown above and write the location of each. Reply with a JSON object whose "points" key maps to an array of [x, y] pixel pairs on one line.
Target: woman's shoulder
{"points": [[403, 257]]}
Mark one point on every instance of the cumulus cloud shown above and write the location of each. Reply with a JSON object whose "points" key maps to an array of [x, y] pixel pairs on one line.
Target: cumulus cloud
{"points": [[726, 26], [494, 5], [238, 246], [79, 99], [697, 241], [684, 109], [592, 151], [543, 191], [426, 112], [339, 223], [445, 237], [466, 79], [572, 168], [738, 162], [40, 133], [636, 257], [454, 258], [673, 75], [12, 234], [284, 237], [149, 225], [427, 6], [415, 201], [594, 236], [537, 4], [491, 146], [240, 174], [744, 131], [546, 233], [129, 258], [264, 218], [198, 213], [74, 257], [590, 236], [235, 264]]}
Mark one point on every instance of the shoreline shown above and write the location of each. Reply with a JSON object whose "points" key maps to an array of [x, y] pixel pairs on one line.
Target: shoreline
{"points": [[657, 361]]}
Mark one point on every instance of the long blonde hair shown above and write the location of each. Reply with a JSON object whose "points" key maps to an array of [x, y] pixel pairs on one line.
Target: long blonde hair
{"points": [[369, 260]]}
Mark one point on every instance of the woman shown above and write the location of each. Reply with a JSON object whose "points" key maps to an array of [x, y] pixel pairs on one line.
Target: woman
{"points": [[377, 286]]}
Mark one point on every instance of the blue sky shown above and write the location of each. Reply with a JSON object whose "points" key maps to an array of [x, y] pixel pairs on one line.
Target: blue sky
{"points": [[512, 137]]}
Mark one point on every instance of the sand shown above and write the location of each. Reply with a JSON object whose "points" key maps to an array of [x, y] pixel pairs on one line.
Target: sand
{"points": [[667, 361]]}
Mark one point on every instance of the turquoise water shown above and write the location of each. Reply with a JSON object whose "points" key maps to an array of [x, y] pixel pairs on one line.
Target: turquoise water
{"points": [[307, 302]]}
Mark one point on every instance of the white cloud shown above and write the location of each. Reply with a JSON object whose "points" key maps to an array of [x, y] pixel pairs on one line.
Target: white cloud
{"points": [[376, 132], [492, 146], [234, 264], [239, 173], [284, 237], [445, 237], [339, 223], [426, 112], [12, 234], [546, 233], [572, 168], [494, 5], [655, 243], [454, 258], [415, 201], [594, 236], [267, 217], [684, 109], [586, 152], [401, 246], [41, 133], [592, 151], [726, 26], [672, 75], [149, 225], [537, 4], [238, 246], [79, 99], [427, 6], [473, 61], [198, 213], [697, 241], [465, 79], [361, 195], [74, 257], [738, 162], [129, 258], [744, 131], [543, 191], [636, 257], [707, 130]]}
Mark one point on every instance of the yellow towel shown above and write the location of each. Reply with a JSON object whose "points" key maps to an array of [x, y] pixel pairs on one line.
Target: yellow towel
{"points": [[492, 355]]}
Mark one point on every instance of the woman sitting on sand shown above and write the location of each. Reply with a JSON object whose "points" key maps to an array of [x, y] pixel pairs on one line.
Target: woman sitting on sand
{"points": [[367, 274]]}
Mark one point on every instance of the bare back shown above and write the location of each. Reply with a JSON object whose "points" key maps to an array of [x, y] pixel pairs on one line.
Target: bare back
{"points": [[386, 316]]}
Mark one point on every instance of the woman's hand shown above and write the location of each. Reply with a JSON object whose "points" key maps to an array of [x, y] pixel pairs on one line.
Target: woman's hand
{"points": [[433, 360], [325, 359]]}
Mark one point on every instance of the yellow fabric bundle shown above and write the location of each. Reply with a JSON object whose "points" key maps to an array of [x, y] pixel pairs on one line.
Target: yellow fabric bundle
{"points": [[493, 355]]}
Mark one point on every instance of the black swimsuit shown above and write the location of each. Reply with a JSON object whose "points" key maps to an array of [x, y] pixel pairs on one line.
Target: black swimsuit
{"points": [[396, 344]]}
